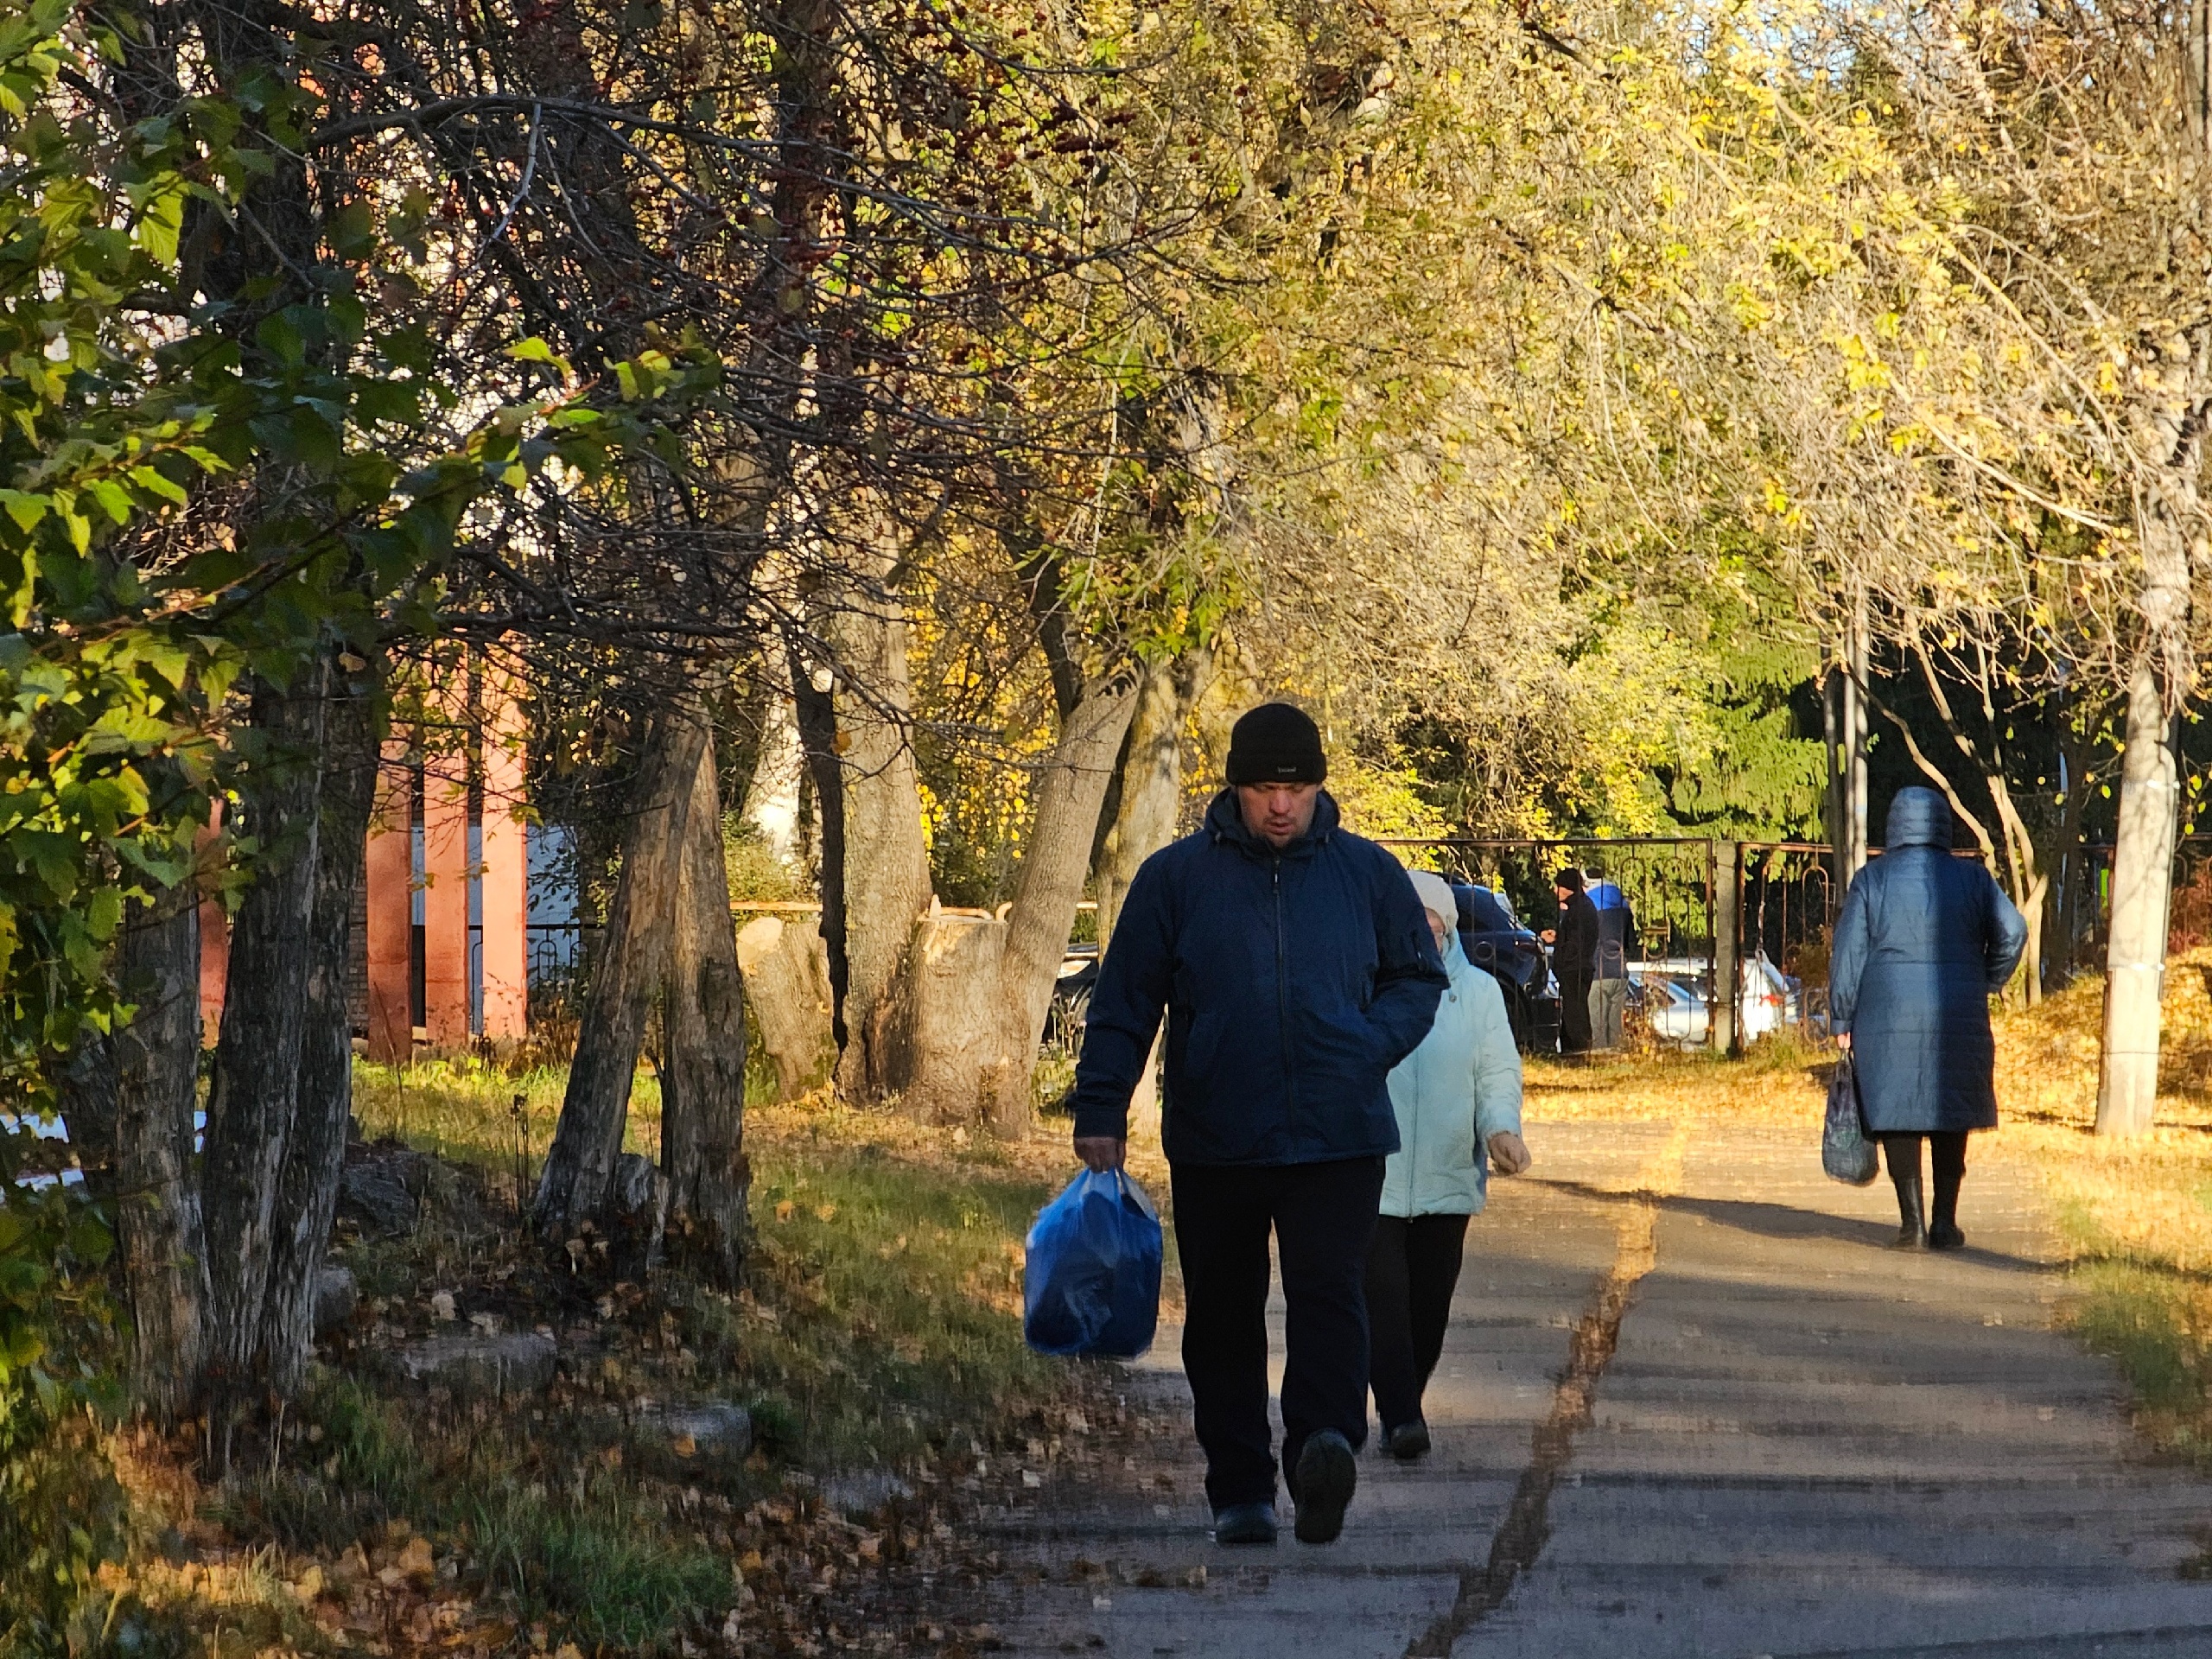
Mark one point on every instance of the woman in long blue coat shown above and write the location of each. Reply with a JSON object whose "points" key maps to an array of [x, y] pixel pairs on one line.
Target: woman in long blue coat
{"points": [[1925, 940]]}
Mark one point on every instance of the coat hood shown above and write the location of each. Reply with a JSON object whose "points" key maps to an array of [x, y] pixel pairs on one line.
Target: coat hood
{"points": [[1919, 817], [1226, 822]]}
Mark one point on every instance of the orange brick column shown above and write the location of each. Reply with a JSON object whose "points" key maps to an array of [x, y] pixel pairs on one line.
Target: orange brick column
{"points": [[504, 881], [214, 946], [445, 899], [391, 877]]}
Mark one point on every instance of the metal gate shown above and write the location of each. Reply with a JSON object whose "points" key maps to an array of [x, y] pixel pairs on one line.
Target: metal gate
{"points": [[1669, 881]]}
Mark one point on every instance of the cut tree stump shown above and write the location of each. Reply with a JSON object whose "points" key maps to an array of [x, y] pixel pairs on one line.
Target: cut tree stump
{"points": [[786, 967]]}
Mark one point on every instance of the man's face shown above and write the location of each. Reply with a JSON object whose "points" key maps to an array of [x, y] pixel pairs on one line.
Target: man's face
{"points": [[1278, 813], [1565, 894]]}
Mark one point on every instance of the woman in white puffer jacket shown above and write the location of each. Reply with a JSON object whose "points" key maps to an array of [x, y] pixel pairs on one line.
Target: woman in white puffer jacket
{"points": [[1456, 1097]]}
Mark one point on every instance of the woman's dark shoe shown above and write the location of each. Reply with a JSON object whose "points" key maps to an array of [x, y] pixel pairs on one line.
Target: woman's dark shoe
{"points": [[1912, 1229], [1245, 1523], [1946, 1235], [1327, 1475], [1406, 1441]]}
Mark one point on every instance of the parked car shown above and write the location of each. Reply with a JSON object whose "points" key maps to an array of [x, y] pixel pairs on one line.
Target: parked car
{"points": [[1494, 941], [1071, 1006], [1675, 1013]]}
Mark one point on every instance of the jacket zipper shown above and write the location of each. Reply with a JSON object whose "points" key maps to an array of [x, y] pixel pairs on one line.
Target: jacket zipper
{"points": [[1283, 1000]]}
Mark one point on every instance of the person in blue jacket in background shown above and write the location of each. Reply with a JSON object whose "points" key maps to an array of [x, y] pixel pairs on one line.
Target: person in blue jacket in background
{"points": [[1609, 962], [1925, 940], [1295, 969], [1457, 1098]]}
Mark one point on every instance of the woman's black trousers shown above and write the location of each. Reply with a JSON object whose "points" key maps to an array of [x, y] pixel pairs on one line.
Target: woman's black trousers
{"points": [[1412, 1266]]}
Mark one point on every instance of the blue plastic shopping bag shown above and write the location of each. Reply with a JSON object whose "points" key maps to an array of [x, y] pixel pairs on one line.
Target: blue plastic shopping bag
{"points": [[1091, 1283]]}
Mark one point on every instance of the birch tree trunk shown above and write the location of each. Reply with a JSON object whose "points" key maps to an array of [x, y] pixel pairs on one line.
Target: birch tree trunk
{"points": [[2142, 885], [307, 1189], [254, 1094], [632, 962], [703, 1090], [772, 802], [2168, 431]]}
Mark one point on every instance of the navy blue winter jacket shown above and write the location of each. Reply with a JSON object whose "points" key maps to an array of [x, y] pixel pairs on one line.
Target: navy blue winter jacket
{"points": [[1293, 981]]}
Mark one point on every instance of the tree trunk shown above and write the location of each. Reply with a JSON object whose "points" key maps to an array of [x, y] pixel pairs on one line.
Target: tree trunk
{"points": [[1145, 807], [307, 1190], [817, 713], [634, 957], [772, 802], [703, 1087], [2142, 882], [86, 1092], [2168, 423], [964, 1018], [887, 865], [254, 1094], [158, 1221], [785, 968], [943, 1023], [1067, 791], [1151, 782], [2076, 879]]}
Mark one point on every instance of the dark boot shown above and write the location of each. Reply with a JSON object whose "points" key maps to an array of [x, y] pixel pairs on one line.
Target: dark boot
{"points": [[1943, 1232], [1950, 1169], [1912, 1228]]}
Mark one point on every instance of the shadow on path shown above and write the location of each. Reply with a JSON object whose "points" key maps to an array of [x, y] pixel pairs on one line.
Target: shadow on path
{"points": [[1779, 1221]]}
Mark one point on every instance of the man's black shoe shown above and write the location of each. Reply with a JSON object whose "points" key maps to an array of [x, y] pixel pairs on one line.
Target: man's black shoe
{"points": [[1245, 1523], [1327, 1474], [1406, 1441]]}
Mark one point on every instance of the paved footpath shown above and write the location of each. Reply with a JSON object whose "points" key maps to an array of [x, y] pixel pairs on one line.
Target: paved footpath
{"points": [[1688, 1406]]}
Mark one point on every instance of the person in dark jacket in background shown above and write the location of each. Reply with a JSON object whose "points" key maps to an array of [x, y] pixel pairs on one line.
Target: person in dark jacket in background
{"points": [[1296, 968], [1925, 940], [1609, 962], [1574, 954]]}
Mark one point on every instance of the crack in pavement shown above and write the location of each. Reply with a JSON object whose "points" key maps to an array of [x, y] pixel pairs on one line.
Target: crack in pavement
{"points": [[1521, 1536]]}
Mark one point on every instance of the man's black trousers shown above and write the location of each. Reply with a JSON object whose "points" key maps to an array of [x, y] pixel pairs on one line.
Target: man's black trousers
{"points": [[1323, 1217], [1574, 1012], [1412, 1267]]}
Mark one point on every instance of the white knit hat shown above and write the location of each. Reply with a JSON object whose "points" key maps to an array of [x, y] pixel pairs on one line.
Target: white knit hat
{"points": [[1436, 896]]}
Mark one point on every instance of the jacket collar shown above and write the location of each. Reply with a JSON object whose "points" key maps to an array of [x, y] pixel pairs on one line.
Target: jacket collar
{"points": [[1225, 822]]}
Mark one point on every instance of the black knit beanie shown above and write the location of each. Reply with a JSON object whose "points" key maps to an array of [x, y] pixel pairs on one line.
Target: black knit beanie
{"points": [[1569, 878], [1276, 743]]}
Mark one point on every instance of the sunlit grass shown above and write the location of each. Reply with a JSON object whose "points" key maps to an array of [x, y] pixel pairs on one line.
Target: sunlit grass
{"points": [[465, 1109], [883, 1298]]}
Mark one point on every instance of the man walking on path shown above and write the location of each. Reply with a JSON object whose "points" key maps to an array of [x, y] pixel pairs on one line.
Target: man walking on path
{"points": [[1296, 969], [1574, 951]]}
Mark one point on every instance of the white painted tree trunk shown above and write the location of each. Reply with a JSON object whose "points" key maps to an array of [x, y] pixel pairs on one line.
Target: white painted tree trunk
{"points": [[2167, 427], [2142, 882], [771, 804]]}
